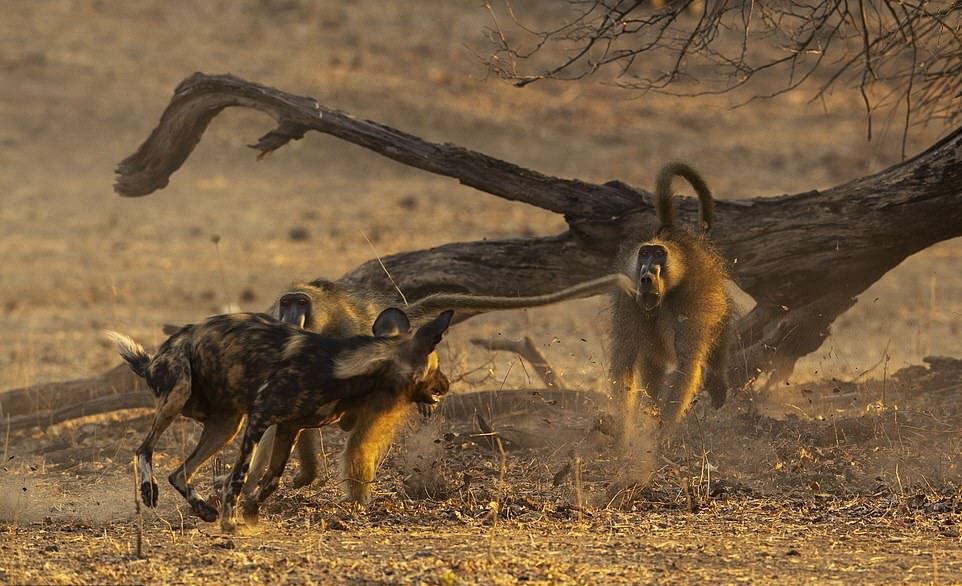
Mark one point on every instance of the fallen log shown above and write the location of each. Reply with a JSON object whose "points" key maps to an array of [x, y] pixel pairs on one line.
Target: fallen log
{"points": [[803, 258]]}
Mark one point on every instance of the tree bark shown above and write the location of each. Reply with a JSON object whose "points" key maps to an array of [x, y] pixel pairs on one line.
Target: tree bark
{"points": [[48, 397], [804, 258]]}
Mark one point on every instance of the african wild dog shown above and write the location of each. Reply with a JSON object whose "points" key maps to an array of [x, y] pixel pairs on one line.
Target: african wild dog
{"points": [[227, 366], [336, 308]]}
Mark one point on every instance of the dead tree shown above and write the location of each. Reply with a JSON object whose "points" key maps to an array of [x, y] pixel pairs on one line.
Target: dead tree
{"points": [[804, 258]]}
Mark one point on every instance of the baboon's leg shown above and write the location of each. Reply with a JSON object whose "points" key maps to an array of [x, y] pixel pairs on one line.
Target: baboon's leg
{"points": [[687, 381], [374, 428], [626, 343], [638, 436], [280, 452], [168, 409], [309, 453], [653, 368], [257, 424], [218, 430], [717, 379]]}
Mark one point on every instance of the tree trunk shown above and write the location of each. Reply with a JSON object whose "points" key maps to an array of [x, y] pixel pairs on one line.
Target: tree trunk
{"points": [[804, 258]]}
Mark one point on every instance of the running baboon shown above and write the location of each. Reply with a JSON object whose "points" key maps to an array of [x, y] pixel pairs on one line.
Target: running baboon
{"points": [[227, 366], [337, 309], [679, 315]]}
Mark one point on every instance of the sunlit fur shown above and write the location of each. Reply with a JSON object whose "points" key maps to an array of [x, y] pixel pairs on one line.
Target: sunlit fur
{"points": [[687, 328]]}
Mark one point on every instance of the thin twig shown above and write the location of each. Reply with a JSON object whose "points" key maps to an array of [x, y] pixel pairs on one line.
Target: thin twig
{"points": [[139, 539], [384, 268]]}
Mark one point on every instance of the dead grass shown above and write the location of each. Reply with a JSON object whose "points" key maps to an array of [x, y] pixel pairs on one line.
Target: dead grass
{"points": [[788, 502]]}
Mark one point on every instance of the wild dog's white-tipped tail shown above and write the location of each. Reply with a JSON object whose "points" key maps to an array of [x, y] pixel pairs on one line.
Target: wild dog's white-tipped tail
{"points": [[132, 352]]}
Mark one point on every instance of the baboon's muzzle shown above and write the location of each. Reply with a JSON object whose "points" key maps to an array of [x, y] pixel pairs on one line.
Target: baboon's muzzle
{"points": [[294, 315], [649, 293]]}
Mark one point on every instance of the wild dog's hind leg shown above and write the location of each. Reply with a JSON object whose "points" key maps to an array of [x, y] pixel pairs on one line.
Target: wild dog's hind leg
{"points": [[170, 406], [284, 438], [218, 430]]}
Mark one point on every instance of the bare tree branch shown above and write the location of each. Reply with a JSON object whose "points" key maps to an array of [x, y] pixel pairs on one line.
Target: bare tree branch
{"points": [[526, 349], [723, 45]]}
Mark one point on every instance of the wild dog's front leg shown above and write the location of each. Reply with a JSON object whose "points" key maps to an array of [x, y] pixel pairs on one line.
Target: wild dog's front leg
{"points": [[252, 434], [374, 428], [260, 461], [281, 451], [168, 409]]}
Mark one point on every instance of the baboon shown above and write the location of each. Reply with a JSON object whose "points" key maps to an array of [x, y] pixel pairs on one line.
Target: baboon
{"points": [[337, 309], [227, 366], [679, 314]]}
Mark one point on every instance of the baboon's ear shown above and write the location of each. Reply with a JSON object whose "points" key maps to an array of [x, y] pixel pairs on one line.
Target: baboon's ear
{"points": [[429, 335], [322, 284], [391, 322]]}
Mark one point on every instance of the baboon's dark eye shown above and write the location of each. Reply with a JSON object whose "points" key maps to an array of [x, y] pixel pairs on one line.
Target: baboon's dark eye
{"points": [[655, 253]]}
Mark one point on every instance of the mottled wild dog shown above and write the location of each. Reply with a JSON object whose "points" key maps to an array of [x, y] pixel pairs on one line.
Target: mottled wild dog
{"points": [[339, 309], [218, 370], [323, 380], [680, 314]]}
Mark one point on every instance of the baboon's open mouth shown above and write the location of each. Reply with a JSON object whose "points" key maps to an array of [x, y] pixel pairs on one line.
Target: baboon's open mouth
{"points": [[650, 300]]}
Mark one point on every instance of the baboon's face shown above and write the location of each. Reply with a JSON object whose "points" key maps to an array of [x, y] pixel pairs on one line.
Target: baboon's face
{"points": [[652, 263], [295, 308]]}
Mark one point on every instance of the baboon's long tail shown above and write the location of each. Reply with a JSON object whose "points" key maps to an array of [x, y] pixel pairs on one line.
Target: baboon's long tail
{"points": [[132, 352], [465, 302], [663, 194]]}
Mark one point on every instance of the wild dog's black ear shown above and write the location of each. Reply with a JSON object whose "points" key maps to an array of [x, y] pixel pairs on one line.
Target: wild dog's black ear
{"points": [[391, 322], [429, 335], [171, 329]]}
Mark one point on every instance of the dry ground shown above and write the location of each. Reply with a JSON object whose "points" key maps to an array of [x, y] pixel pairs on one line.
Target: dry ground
{"points": [[848, 483]]}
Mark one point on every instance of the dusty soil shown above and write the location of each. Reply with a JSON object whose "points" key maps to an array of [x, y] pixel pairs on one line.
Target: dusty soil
{"points": [[848, 474]]}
